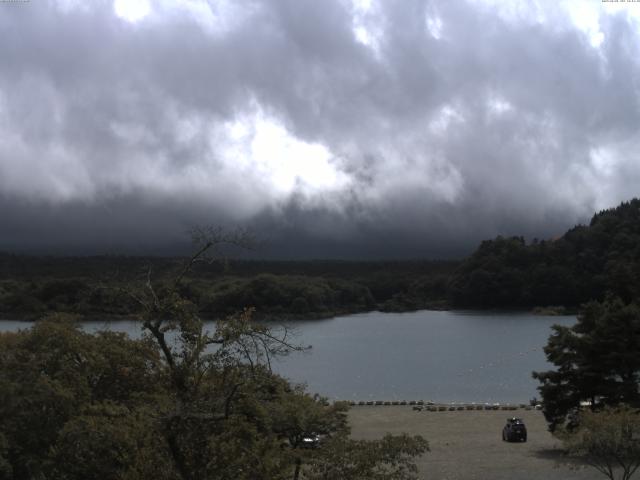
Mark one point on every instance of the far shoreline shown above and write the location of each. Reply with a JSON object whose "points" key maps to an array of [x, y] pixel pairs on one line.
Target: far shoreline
{"points": [[550, 311]]}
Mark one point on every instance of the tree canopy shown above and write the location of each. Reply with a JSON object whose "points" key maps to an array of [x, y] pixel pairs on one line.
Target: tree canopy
{"points": [[597, 361], [586, 263], [608, 440], [180, 403]]}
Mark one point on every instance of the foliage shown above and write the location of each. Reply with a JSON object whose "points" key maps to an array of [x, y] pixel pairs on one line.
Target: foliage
{"points": [[390, 458], [31, 286], [597, 361], [608, 440], [273, 294], [584, 264], [181, 403], [6, 471], [55, 374]]}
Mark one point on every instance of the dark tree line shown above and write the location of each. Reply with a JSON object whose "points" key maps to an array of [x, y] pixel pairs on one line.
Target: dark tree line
{"points": [[586, 263], [274, 289]]}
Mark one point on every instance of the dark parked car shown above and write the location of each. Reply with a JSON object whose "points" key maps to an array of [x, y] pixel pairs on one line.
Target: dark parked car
{"points": [[514, 431]]}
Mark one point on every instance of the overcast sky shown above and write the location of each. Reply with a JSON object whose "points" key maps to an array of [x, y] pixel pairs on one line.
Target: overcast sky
{"points": [[333, 128]]}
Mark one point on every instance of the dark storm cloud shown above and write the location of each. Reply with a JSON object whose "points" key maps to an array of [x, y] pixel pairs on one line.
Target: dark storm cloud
{"points": [[332, 128]]}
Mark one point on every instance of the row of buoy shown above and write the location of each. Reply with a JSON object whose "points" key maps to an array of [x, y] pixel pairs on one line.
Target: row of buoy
{"points": [[420, 405]]}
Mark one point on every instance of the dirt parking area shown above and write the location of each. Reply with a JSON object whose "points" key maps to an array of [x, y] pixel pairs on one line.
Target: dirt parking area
{"points": [[468, 444]]}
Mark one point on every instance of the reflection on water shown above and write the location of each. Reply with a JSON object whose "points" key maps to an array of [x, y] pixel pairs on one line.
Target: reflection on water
{"points": [[453, 356]]}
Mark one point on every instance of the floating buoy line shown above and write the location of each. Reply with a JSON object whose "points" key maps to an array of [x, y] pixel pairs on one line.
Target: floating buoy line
{"points": [[421, 405]]}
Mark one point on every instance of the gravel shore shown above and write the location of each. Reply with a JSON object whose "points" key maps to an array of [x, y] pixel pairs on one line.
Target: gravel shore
{"points": [[468, 444]]}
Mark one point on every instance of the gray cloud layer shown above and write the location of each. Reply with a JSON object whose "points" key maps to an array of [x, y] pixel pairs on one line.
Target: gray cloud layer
{"points": [[332, 128]]}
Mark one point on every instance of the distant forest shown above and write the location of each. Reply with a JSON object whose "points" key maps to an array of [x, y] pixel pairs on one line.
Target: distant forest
{"points": [[98, 286], [587, 262]]}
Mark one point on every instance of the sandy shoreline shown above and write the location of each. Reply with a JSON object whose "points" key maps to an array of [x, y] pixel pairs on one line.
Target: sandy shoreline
{"points": [[468, 444]]}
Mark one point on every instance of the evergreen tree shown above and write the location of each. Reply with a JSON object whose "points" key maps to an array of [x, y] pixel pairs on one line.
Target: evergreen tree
{"points": [[597, 361]]}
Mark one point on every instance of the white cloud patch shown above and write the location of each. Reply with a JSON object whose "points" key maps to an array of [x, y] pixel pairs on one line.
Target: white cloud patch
{"points": [[366, 25], [434, 25], [132, 10], [260, 147]]}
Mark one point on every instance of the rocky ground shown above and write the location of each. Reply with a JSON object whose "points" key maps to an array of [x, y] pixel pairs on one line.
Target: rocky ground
{"points": [[468, 444]]}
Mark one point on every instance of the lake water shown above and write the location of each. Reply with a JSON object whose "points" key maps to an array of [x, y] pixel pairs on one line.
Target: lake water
{"points": [[444, 356]]}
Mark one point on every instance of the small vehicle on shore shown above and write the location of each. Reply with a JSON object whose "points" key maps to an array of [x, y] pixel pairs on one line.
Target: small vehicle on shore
{"points": [[514, 431], [311, 441]]}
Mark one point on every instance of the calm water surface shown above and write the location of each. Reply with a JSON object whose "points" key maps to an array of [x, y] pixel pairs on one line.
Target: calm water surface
{"points": [[452, 356]]}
